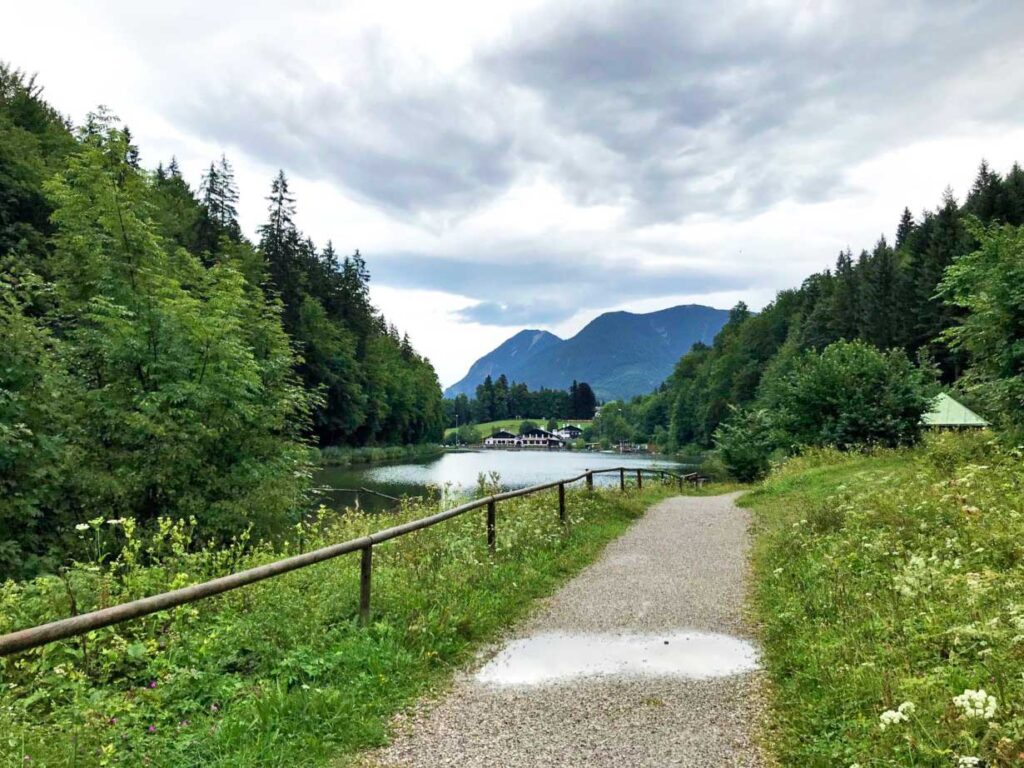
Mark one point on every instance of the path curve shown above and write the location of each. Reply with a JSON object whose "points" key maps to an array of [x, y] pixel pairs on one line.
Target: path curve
{"points": [[682, 566]]}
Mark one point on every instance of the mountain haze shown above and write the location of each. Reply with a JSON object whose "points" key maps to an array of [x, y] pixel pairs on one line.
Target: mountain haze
{"points": [[620, 354]]}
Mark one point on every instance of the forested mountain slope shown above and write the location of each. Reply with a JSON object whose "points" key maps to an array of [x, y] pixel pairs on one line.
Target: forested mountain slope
{"points": [[621, 354]]}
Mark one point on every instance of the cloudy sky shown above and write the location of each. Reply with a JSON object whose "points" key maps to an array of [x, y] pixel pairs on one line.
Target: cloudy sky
{"points": [[534, 164]]}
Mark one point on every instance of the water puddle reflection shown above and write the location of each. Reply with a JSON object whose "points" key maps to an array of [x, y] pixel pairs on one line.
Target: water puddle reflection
{"points": [[555, 656]]}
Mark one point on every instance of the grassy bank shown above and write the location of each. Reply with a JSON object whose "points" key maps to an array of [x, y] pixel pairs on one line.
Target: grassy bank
{"points": [[278, 673], [345, 456], [887, 586]]}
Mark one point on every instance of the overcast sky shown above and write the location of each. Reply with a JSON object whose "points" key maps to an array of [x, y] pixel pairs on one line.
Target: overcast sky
{"points": [[534, 164]]}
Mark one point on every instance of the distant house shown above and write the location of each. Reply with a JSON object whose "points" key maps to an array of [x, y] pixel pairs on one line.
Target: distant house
{"points": [[569, 432], [947, 413], [501, 439], [540, 438]]}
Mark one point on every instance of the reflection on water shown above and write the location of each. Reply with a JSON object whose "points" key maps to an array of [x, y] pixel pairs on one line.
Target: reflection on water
{"points": [[556, 656], [517, 469]]}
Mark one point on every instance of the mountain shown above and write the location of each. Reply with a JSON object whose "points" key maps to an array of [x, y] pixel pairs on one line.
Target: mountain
{"points": [[510, 357], [620, 354]]}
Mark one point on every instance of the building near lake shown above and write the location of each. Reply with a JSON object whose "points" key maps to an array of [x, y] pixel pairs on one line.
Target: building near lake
{"points": [[501, 439], [947, 413], [540, 438], [531, 438], [569, 432]]}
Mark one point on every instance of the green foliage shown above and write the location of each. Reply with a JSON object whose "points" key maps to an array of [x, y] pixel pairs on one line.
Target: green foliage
{"points": [[989, 284], [498, 400], [745, 444], [277, 673], [33, 446], [851, 394], [374, 387], [344, 456], [184, 403], [886, 579], [526, 426], [152, 360]]}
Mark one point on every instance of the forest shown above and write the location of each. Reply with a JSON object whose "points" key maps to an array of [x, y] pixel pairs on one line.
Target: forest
{"points": [[497, 399], [158, 362], [939, 307]]}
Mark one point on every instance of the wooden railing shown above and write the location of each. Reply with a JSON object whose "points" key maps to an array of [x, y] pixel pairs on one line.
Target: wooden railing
{"points": [[34, 637]]}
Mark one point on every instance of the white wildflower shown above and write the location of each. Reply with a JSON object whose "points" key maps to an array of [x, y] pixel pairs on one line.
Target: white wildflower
{"points": [[968, 761], [976, 704], [82, 527], [901, 714], [890, 717]]}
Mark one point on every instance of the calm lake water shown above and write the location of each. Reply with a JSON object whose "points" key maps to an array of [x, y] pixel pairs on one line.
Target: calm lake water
{"points": [[516, 469]]}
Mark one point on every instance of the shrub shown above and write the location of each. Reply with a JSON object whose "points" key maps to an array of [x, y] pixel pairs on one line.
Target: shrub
{"points": [[851, 394], [745, 444]]}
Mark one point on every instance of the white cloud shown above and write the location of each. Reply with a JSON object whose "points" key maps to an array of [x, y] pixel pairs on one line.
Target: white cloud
{"points": [[542, 162]]}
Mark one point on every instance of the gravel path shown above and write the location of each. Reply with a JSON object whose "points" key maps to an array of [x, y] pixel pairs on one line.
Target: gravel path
{"points": [[681, 567]]}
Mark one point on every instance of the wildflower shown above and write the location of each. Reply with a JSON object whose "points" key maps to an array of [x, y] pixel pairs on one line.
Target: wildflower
{"points": [[214, 708], [116, 521], [976, 704], [894, 716], [966, 761], [152, 683], [82, 527], [152, 729]]}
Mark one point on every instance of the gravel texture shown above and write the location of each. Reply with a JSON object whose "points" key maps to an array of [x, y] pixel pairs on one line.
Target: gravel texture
{"points": [[682, 566]]}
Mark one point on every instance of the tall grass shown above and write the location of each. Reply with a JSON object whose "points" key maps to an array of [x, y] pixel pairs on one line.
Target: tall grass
{"points": [[887, 586], [278, 673]]}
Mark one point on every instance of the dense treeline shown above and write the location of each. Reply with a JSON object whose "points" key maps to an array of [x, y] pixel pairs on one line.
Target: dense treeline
{"points": [[891, 297], [156, 362], [497, 399]]}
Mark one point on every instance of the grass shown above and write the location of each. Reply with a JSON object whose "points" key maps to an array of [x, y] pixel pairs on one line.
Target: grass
{"points": [[512, 425], [279, 673], [886, 586]]}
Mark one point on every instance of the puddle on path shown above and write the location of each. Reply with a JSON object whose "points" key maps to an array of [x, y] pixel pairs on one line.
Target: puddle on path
{"points": [[556, 656]]}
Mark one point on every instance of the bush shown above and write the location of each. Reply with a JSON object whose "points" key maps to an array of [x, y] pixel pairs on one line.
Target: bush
{"points": [[852, 394], [745, 444]]}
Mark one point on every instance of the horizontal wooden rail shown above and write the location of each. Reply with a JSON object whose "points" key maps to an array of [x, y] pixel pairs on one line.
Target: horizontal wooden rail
{"points": [[33, 637]]}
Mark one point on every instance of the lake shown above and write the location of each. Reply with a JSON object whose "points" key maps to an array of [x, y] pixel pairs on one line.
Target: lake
{"points": [[517, 469]]}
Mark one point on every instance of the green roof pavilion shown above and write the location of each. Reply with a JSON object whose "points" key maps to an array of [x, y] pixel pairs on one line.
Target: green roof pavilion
{"points": [[948, 413]]}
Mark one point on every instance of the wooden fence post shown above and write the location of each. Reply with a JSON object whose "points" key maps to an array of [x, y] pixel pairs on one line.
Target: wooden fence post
{"points": [[365, 574], [492, 525], [561, 502], [622, 478], [639, 480], [680, 482], [590, 481]]}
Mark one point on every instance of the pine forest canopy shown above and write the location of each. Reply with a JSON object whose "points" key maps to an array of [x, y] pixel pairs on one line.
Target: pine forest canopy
{"points": [[499, 399]]}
